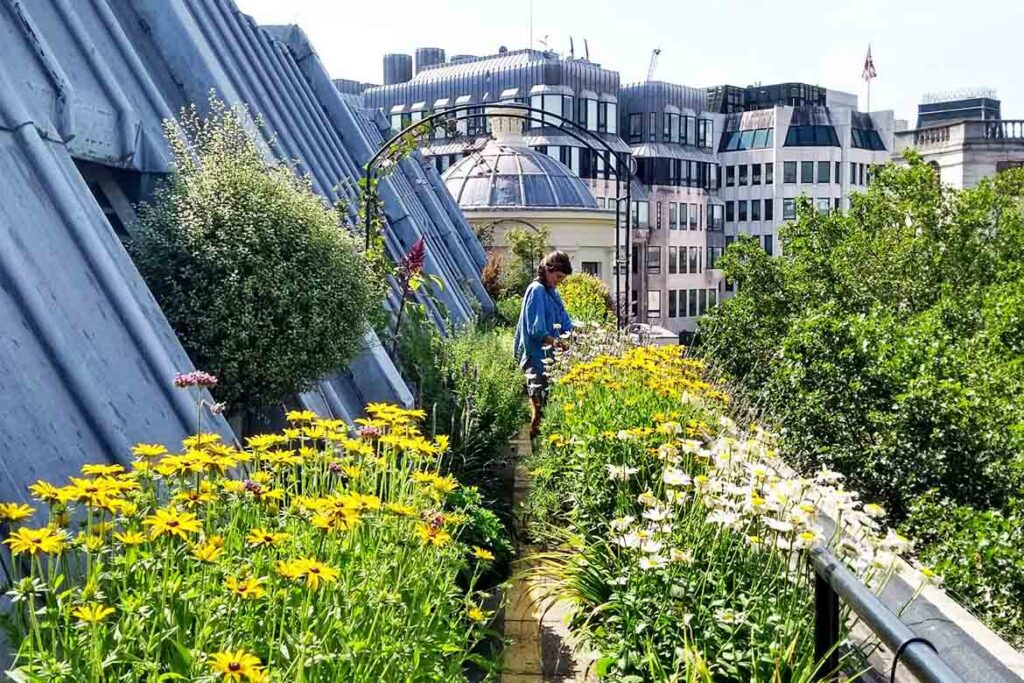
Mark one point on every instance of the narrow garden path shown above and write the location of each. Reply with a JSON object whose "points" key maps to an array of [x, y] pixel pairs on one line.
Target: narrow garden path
{"points": [[541, 648]]}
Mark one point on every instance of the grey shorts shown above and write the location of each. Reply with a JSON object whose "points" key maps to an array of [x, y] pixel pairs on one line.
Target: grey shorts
{"points": [[536, 385]]}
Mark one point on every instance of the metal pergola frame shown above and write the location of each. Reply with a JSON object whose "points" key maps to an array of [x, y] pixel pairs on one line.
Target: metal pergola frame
{"points": [[624, 170]]}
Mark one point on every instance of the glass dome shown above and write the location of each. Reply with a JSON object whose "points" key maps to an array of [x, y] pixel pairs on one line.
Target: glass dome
{"points": [[502, 176]]}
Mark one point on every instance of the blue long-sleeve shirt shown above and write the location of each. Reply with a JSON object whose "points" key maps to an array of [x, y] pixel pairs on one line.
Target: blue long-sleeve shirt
{"points": [[541, 312]]}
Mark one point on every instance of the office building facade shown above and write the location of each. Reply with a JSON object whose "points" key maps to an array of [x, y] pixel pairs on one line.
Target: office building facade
{"points": [[964, 138], [711, 164]]}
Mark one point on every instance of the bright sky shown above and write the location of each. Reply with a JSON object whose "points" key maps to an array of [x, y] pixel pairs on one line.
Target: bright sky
{"points": [[918, 45]]}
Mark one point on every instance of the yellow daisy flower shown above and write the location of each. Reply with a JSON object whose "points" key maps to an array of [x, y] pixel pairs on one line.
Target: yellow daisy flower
{"points": [[92, 613], [233, 666], [15, 512]]}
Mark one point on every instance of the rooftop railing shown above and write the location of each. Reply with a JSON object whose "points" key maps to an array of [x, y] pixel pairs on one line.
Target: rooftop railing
{"points": [[1004, 130], [834, 582]]}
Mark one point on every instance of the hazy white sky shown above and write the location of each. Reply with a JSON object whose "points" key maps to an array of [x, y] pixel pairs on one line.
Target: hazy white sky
{"points": [[918, 45]]}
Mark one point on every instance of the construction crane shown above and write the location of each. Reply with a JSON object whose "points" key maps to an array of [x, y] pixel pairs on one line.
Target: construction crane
{"points": [[654, 63]]}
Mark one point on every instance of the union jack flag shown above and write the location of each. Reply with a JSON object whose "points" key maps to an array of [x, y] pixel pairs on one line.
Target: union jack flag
{"points": [[869, 67]]}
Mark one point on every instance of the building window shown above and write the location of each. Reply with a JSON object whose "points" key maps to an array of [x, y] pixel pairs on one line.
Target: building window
{"points": [[742, 210], [714, 254], [692, 296], [788, 209], [769, 209], [654, 260], [682, 216], [703, 294], [673, 260], [641, 214], [755, 174], [694, 260], [823, 205], [636, 260], [755, 210], [730, 214], [592, 268], [769, 246], [806, 172], [712, 298], [673, 216], [743, 175], [769, 174], [730, 176], [588, 110], [839, 167], [860, 174], [715, 214], [636, 125], [823, 168], [811, 136], [853, 173], [633, 297], [693, 216], [789, 171], [657, 223], [837, 204], [672, 302], [654, 304]]}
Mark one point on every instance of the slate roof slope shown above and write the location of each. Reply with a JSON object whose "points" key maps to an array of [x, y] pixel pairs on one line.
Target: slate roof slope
{"points": [[86, 356]]}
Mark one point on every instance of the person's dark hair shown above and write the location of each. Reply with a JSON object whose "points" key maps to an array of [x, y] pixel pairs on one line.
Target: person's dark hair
{"points": [[555, 262]]}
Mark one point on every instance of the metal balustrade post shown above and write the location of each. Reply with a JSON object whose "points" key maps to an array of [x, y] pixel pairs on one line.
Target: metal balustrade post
{"points": [[826, 628]]}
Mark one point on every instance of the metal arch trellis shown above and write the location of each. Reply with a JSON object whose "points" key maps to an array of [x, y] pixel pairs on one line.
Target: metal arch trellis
{"points": [[624, 170]]}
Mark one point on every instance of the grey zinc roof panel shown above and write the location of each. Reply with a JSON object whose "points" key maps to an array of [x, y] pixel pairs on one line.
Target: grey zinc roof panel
{"points": [[86, 356]]}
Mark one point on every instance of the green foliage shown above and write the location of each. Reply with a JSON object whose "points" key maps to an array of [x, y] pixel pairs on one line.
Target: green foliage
{"points": [[889, 344], [586, 298], [471, 389], [251, 269], [509, 308], [526, 247], [980, 554]]}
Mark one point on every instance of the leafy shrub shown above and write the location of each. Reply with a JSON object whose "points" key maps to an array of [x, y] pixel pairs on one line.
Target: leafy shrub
{"points": [[980, 555], [526, 247], [316, 555], [509, 308], [875, 340], [251, 269], [586, 298]]}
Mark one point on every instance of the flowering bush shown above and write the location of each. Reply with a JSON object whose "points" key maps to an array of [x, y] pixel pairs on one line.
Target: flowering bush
{"points": [[259, 280], [586, 298], [315, 554], [686, 551]]}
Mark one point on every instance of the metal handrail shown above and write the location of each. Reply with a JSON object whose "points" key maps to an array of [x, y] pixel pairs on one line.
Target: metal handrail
{"points": [[834, 581]]}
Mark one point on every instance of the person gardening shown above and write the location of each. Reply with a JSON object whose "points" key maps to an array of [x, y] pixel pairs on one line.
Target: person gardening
{"points": [[542, 320]]}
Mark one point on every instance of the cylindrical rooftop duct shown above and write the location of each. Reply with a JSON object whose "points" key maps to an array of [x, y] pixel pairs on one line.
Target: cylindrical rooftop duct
{"points": [[397, 68], [428, 56]]}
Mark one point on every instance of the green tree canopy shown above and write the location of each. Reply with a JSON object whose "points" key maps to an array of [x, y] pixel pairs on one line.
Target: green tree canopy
{"points": [[887, 342]]}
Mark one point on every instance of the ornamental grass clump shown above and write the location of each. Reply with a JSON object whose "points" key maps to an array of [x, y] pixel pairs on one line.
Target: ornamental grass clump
{"points": [[677, 536], [325, 552]]}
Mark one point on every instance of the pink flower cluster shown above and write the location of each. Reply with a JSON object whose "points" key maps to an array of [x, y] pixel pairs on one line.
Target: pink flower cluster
{"points": [[414, 261], [196, 378]]}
